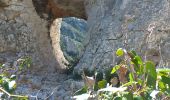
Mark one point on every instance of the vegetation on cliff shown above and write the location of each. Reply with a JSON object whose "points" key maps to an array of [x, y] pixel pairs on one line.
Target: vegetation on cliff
{"points": [[136, 80]]}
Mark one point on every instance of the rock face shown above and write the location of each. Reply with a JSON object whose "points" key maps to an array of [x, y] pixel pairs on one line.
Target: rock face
{"points": [[60, 8], [73, 35], [55, 42], [28, 26], [66, 8], [142, 24], [22, 30], [18, 27]]}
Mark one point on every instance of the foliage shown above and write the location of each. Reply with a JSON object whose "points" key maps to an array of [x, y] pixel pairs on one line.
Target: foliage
{"points": [[25, 62], [81, 91], [8, 82], [139, 80], [1, 65]]}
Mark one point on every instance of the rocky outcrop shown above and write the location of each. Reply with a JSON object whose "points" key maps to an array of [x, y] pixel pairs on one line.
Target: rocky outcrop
{"points": [[55, 41], [28, 26], [22, 30], [51, 9], [66, 8], [142, 25]]}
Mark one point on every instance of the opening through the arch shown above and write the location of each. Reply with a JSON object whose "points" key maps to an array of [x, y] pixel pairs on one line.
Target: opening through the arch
{"points": [[68, 36]]}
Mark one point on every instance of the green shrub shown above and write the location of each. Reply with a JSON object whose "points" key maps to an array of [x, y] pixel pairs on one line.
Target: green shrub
{"points": [[25, 62], [8, 82], [139, 80]]}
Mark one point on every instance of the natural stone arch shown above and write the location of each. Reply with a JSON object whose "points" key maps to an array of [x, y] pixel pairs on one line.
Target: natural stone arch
{"points": [[53, 11], [55, 42], [24, 31], [60, 8], [106, 21]]}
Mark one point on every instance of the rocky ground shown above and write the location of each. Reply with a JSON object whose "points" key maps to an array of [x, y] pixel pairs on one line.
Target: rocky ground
{"points": [[40, 85], [53, 86], [43, 85]]}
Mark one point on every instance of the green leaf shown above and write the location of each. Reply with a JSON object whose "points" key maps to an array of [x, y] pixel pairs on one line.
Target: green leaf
{"points": [[1, 65], [163, 70], [129, 83], [6, 86], [152, 75], [117, 98], [23, 98], [140, 81], [146, 95], [95, 88], [127, 96], [115, 68], [25, 62], [166, 80], [139, 60], [166, 70], [131, 77], [102, 84], [133, 52], [161, 86], [81, 91], [137, 98], [1, 79], [120, 52]]}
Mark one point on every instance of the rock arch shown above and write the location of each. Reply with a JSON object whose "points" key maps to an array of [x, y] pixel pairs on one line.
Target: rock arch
{"points": [[60, 8], [25, 26], [53, 11], [22, 30]]}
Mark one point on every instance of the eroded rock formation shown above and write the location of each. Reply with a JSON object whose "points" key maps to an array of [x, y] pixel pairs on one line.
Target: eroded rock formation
{"points": [[22, 30], [66, 8], [30, 27], [52, 9], [141, 24], [55, 41]]}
